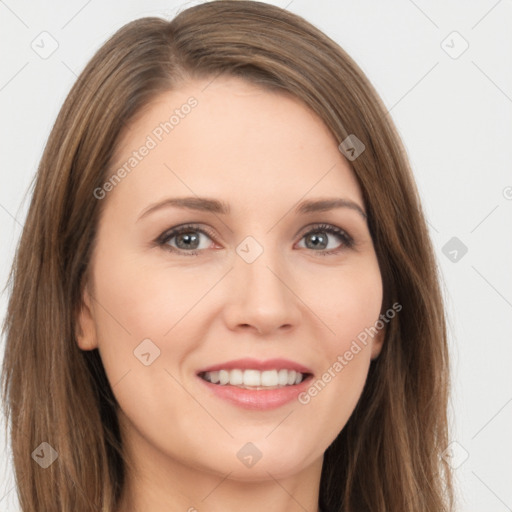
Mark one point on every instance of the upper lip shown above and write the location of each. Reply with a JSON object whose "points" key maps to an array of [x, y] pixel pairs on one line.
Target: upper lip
{"points": [[256, 364]]}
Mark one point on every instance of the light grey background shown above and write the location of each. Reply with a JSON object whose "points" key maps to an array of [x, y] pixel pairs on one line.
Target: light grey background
{"points": [[454, 113]]}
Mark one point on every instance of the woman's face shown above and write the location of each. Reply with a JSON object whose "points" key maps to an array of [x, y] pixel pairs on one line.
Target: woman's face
{"points": [[261, 285]]}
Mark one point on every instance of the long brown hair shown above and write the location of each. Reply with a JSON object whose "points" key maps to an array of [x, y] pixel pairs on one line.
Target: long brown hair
{"points": [[388, 456]]}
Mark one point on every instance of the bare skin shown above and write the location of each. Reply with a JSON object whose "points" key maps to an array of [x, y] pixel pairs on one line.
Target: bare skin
{"points": [[262, 153]]}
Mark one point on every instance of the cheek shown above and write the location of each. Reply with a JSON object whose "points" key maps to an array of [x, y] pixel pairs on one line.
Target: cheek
{"points": [[350, 306], [137, 302], [142, 312], [351, 303], [145, 301]]}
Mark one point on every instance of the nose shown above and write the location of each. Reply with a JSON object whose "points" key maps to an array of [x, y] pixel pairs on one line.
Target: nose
{"points": [[261, 296]]}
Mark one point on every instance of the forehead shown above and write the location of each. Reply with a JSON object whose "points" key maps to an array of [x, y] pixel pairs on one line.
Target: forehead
{"points": [[230, 135]]}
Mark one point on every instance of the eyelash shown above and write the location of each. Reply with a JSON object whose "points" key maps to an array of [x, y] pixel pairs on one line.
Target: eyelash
{"points": [[163, 239]]}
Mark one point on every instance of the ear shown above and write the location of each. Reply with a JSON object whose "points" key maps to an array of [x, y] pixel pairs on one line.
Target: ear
{"points": [[85, 327], [378, 342]]}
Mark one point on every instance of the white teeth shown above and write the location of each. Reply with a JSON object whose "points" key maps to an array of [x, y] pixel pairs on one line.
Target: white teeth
{"points": [[254, 378], [223, 377], [269, 378], [236, 377], [283, 377]]}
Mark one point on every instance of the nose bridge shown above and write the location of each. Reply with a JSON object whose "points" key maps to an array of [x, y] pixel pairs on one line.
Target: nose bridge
{"points": [[262, 295], [259, 265]]}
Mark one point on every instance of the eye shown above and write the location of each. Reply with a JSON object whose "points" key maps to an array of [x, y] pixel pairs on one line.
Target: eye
{"points": [[318, 238], [186, 239]]}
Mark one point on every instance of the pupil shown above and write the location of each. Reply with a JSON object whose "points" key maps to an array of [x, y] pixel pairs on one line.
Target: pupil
{"points": [[318, 239], [187, 237]]}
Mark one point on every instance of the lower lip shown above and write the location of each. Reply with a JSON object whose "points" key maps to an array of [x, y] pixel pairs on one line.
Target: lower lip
{"points": [[261, 400]]}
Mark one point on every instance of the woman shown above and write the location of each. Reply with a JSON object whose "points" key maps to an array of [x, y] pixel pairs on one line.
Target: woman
{"points": [[225, 296]]}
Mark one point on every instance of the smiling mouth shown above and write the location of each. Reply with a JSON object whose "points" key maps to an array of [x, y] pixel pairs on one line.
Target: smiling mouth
{"points": [[255, 379]]}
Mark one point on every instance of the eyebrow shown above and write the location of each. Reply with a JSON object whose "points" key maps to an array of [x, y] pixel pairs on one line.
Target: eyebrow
{"points": [[323, 205], [205, 204]]}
